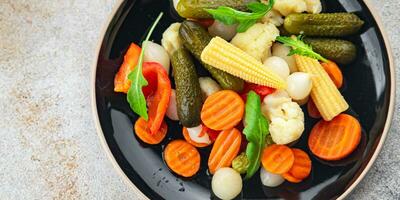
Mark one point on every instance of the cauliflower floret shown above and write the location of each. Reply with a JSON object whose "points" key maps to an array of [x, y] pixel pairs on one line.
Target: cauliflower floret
{"points": [[273, 17], [313, 6], [276, 99], [287, 7], [287, 123], [171, 40], [257, 40]]}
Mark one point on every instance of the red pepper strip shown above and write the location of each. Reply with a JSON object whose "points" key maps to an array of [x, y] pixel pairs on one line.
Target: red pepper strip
{"points": [[204, 22], [259, 89], [157, 93], [121, 81]]}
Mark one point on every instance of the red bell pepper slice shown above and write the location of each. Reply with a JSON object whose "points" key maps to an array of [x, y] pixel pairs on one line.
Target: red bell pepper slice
{"points": [[121, 81], [157, 93], [262, 91]]}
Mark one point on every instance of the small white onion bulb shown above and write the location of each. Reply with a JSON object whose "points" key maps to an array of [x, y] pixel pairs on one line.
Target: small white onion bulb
{"points": [[269, 179], [278, 65], [299, 85], [156, 53], [226, 183]]}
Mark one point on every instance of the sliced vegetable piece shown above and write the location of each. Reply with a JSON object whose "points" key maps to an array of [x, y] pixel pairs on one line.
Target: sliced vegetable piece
{"points": [[222, 110], [290, 178], [188, 92], [277, 159], [334, 73], [313, 110], [182, 158], [335, 139], [302, 165], [121, 81], [187, 137], [323, 88], [262, 91], [158, 100], [225, 149], [143, 132], [226, 57]]}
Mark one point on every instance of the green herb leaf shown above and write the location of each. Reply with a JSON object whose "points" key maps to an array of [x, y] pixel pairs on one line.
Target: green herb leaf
{"points": [[256, 131], [299, 47], [135, 94], [245, 20]]}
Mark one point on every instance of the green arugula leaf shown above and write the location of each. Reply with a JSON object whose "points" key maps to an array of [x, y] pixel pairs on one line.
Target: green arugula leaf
{"points": [[256, 131], [245, 20], [135, 94], [299, 47]]}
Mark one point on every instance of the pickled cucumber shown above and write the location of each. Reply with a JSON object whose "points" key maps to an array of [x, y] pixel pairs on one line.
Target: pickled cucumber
{"points": [[188, 92], [195, 8], [325, 24], [340, 51], [195, 39]]}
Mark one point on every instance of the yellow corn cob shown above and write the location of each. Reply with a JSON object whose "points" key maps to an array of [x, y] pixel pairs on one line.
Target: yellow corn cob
{"points": [[226, 57], [324, 93]]}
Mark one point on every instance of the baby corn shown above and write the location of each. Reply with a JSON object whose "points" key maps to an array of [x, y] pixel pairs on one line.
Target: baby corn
{"points": [[226, 57], [324, 93]]}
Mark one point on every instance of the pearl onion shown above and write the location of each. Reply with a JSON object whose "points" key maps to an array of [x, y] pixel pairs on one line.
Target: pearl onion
{"points": [[299, 85], [269, 179], [226, 183], [278, 65]]}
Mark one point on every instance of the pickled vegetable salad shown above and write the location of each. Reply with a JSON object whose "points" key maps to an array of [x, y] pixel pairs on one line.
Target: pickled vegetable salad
{"points": [[247, 114]]}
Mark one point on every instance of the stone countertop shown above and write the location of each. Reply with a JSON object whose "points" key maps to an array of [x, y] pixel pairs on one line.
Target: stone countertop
{"points": [[49, 147]]}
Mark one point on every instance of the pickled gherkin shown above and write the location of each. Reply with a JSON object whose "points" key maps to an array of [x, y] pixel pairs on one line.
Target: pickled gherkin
{"points": [[195, 8], [340, 51], [325, 24], [195, 39]]}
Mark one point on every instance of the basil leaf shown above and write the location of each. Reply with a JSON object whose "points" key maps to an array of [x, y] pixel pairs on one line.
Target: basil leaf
{"points": [[299, 47], [229, 16], [256, 130], [135, 96]]}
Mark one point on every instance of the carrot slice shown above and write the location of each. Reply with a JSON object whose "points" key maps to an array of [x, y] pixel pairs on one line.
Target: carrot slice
{"points": [[222, 110], [277, 159], [334, 73], [289, 177], [182, 158], [204, 130], [142, 130], [312, 109], [302, 165], [225, 149], [335, 139]]}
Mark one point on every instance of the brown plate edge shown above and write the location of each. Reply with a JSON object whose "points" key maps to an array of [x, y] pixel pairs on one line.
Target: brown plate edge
{"points": [[348, 190]]}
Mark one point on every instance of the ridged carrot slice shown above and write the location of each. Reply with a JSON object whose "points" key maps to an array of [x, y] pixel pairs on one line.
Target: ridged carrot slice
{"points": [[142, 130], [182, 158], [302, 165], [225, 149], [335, 139], [185, 134], [222, 110], [313, 110], [277, 159], [334, 73], [289, 177]]}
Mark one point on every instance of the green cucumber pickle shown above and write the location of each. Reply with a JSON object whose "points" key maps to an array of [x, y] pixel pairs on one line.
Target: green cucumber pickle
{"points": [[339, 51]]}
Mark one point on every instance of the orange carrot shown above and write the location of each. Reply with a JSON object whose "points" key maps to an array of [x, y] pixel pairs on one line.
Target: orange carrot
{"points": [[225, 149], [277, 159], [302, 165], [204, 130], [313, 110], [334, 73], [121, 81], [289, 177], [222, 110], [335, 139], [143, 132], [182, 158]]}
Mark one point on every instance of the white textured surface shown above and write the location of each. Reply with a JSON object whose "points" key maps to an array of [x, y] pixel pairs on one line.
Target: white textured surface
{"points": [[49, 147]]}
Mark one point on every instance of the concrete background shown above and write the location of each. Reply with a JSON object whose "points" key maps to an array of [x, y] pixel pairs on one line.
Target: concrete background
{"points": [[48, 144]]}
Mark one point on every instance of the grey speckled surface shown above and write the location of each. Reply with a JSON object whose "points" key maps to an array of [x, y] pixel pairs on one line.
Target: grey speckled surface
{"points": [[49, 148]]}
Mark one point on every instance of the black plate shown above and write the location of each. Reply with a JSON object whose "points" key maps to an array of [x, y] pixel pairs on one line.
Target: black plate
{"points": [[367, 89]]}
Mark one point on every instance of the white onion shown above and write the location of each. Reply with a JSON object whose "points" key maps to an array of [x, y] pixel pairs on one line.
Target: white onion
{"points": [[220, 29], [156, 53], [172, 112], [208, 86], [278, 65], [282, 51], [299, 85], [226, 183], [269, 179], [194, 133]]}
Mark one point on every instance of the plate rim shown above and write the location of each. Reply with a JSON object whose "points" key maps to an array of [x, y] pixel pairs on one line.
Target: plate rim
{"points": [[141, 195]]}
